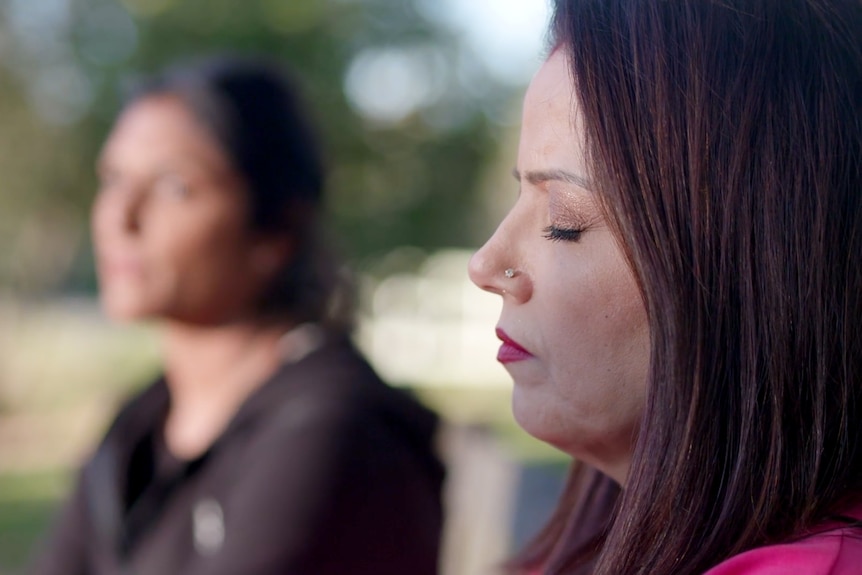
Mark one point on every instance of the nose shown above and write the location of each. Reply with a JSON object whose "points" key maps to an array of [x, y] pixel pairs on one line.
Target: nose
{"points": [[130, 212], [481, 270], [118, 210], [494, 268]]}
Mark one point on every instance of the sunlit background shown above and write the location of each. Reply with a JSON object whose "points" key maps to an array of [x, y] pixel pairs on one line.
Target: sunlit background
{"points": [[418, 101]]}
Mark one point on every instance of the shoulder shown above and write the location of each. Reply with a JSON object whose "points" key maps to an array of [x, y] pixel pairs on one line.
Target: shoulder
{"points": [[336, 385], [834, 552], [327, 435], [333, 400]]}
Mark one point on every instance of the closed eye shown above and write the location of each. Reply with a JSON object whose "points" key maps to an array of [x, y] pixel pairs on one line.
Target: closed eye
{"points": [[556, 234]]}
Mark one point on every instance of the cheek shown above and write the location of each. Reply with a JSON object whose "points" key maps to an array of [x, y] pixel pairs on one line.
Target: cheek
{"points": [[602, 344], [195, 246], [204, 274], [594, 402]]}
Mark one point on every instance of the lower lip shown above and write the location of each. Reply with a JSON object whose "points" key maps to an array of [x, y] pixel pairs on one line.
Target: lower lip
{"points": [[509, 353]]}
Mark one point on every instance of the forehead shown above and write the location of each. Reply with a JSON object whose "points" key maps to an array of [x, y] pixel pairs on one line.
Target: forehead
{"points": [[157, 117], [162, 127], [552, 86], [552, 129]]}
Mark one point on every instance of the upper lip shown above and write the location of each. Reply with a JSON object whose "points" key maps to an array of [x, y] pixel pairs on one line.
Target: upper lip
{"points": [[504, 337]]}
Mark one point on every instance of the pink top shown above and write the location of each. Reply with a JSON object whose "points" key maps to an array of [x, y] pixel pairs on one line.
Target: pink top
{"points": [[832, 550]]}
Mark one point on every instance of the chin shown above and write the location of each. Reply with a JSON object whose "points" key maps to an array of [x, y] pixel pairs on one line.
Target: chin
{"points": [[545, 419], [534, 417]]}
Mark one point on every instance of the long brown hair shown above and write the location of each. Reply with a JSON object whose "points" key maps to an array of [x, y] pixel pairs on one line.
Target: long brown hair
{"points": [[725, 138]]}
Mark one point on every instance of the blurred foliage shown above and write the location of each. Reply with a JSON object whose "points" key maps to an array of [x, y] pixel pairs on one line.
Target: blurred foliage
{"points": [[404, 173]]}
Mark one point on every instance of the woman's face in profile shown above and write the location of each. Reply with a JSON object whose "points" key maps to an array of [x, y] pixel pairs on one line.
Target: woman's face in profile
{"points": [[572, 303], [170, 221]]}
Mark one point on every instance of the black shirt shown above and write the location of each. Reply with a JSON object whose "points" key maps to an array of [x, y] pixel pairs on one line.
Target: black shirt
{"points": [[324, 470]]}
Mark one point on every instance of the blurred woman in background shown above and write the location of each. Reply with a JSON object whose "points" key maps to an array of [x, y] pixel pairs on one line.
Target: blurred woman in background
{"points": [[682, 286], [269, 446]]}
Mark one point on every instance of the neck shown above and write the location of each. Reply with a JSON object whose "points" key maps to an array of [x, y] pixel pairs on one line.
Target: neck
{"points": [[210, 372]]}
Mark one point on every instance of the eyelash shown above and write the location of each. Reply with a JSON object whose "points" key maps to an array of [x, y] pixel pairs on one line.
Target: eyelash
{"points": [[556, 234]]}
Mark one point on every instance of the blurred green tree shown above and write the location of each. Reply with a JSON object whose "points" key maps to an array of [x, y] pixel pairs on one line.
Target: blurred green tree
{"points": [[407, 115]]}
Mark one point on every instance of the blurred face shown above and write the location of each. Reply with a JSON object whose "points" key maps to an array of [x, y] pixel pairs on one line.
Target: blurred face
{"points": [[573, 325], [170, 222]]}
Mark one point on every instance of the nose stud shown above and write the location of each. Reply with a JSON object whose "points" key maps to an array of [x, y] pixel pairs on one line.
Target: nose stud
{"points": [[509, 273]]}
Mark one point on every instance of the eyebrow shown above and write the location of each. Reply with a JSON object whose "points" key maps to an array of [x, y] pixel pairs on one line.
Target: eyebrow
{"points": [[537, 177]]}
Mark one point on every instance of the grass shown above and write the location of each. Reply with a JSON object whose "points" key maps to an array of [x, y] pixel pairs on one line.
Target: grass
{"points": [[28, 502], [59, 359]]}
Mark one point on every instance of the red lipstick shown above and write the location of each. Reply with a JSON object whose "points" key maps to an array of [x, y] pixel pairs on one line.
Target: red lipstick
{"points": [[511, 351]]}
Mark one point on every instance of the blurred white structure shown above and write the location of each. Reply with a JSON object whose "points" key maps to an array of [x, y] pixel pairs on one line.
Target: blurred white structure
{"points": [[434, 327]]}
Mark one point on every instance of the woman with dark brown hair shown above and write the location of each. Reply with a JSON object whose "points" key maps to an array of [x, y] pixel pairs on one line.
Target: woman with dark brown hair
{"points": [[682, 286], [269, 446]]}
